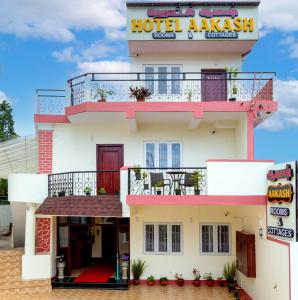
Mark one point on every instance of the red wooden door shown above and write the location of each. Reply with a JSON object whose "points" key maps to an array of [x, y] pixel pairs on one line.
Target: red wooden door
{"points": [[109, 158], [214, 85]]}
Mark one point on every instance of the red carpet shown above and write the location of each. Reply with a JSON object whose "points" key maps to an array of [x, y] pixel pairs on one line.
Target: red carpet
{"points": [[96, 273]]}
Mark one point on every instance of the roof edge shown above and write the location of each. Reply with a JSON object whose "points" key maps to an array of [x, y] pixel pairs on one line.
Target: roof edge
{"points": [[193, 3]]}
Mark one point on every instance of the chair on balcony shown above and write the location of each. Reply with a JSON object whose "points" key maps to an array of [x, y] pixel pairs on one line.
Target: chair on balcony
{"points": [[158, 181]]}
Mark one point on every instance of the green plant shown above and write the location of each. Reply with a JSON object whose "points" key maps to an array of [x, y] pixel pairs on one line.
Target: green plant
{"points": [[102, 190], [158, 184], [144, 175], [138, 266], [229, 272], [189, 95], [87, 190], [197, 178], [103, 93], [233, 73], [163, 278], [208, 276], [139, 93], [137, 169], [196, 273], [150, 278]]}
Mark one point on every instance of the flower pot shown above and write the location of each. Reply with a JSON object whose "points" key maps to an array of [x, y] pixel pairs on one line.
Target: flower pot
{"points": [[88, 193], [231, 287], [197, 192], [138, 176], [150, 282], [180, 282], [136, 281], [102, 100], [221, 282], [178, 192], [163, 282], [140, 99], [196, 283], [158, 192], [210, 283], [61, 194], [146, 186], [232, 99]]}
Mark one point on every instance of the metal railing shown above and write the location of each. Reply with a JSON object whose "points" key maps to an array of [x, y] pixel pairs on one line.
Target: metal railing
{"points": [[84, 183], [164, 87], [167, 181]]}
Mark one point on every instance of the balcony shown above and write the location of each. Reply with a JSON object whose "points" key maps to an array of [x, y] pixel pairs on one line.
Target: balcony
{"points": [[183, 87]]}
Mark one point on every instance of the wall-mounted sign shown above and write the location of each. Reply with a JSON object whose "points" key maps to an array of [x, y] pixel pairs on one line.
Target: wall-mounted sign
{"points": [[282, 201], [286, 173], [170, 22], [281, 193]]}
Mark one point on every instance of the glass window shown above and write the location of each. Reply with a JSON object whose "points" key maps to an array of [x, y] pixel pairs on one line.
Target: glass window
{"points": [[150, 157], [223, 239], [175, 77], [176, 238], [176, 155], [162, 238], [207, 238], [163, 155], [149, 232], [162, 80], [149, 77]]}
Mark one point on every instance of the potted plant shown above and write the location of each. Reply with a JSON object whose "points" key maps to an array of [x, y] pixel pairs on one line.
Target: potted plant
{"points": [[163, 281], [209, 279], [146, 184], [179, 279], [102, 191], [61, 194], [233, 74], [220, 281], [150, 280], [137, 170], [158, 185], [138, 266], [103, 93], [189, 95], [229, 273], [178, 191], [197, 276], [139, 93], [87, 190], [197, 178]]}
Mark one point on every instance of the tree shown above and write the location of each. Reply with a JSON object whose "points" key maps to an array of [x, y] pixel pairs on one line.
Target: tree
{"points": [[6, 122], [3, 187]]}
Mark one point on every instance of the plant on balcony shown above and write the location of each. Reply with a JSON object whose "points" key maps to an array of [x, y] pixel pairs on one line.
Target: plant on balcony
{"points": [[138, 266], [179, 279], [197, 276], [139, 93], [197, 178], [189, 95], [158, 186], [209, 279], [150, 280], [102, 191], [87, 190], [144, 177], [163, 281], [61, 194], [103, 94], [178, 191], [233, 86], [137, 170]]}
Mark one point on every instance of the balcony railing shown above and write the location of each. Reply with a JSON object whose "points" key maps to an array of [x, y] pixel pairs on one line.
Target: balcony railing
{"points": [[164, 87], [84, 183], [166, 181]]}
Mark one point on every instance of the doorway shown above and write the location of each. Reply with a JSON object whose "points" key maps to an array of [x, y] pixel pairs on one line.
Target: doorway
{"points": [[214, 85], [109, 161]]}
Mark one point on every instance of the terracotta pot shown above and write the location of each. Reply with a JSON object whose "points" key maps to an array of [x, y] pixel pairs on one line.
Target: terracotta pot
{"points": [[196, 283], [163, 282], [150, 282], [136, 281], [210, 283], [180, 282], [141, 99]]}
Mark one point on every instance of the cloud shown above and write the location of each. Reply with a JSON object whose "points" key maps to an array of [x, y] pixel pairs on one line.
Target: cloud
{"points": [[3, 97], [116, 34], [59, 19], [292, 46], [278, 15], [287, 115], [65, 55], [106, 66]]}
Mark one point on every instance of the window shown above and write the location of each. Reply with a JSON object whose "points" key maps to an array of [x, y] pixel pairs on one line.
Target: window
{"points": [[163, 79], [163, 154], [162, 238], [215, 239]]}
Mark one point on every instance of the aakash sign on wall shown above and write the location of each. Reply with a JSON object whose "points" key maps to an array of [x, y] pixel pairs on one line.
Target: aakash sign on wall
{"points": [[282, 201], [192, 23]]}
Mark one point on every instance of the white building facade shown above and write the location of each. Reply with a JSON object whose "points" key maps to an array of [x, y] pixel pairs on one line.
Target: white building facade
{"points": [[170, 178]]}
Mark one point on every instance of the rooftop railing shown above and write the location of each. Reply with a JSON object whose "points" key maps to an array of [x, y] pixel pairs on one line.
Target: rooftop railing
{"points": [[164, 87]]}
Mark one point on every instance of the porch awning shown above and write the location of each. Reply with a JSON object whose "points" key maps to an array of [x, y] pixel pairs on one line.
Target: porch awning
{"points": [[83, 206]]}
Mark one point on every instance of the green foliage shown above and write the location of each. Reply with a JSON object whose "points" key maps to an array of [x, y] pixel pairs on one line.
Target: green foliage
{"points": [[150, 278], [163, 278], [229, 271], [159, 184], [139, 92], [102, 191], [6, 122], [197, 178], [137, 268], [3, 187], [103, 93], [208, 276], [137, 169]]}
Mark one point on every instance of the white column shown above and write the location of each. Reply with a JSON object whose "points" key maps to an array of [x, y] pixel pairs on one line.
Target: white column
{"points": [[124, 191], [30, 229]]}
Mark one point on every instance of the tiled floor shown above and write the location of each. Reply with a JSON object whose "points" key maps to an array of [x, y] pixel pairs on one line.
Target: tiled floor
{"points": [[143, 292]]}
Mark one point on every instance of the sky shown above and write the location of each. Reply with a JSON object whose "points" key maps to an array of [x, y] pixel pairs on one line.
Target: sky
{"points": [[44, 43]]}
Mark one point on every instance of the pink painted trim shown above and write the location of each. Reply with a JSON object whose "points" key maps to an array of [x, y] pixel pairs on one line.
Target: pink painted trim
{"points": [[239, 160], [195, 200], [124, 168], [50, 119], [250, 135]]}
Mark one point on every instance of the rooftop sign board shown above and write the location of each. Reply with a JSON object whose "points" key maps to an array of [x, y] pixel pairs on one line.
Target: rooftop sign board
{"points": [[186, 22]]}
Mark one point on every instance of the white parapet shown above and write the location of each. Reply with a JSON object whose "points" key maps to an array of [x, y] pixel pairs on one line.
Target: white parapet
{"points": [[124, 191], [32, 188], [237, 177]]}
